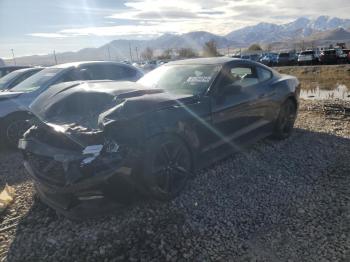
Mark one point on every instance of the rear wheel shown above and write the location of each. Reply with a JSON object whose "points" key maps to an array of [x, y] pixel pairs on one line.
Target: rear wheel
{"points": [[168, 167], [286, 119]]}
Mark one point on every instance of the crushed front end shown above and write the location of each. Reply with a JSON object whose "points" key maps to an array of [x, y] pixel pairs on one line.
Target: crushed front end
{"points": [[77, 171]]}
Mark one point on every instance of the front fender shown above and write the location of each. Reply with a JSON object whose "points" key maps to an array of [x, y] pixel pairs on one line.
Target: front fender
{"points": [[8, 107]]}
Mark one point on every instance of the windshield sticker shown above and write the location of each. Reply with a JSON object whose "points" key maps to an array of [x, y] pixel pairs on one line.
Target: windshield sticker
{"points": [[199, 79], [198, 73]]}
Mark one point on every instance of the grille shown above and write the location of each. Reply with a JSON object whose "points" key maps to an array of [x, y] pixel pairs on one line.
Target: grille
{"points": [[47, 169]]}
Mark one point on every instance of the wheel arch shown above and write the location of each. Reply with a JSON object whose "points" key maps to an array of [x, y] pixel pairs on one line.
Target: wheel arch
{"points": [[293, 99]]}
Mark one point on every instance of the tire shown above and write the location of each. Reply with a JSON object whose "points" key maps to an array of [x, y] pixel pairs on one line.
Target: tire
{"points": [[167, 167], [284, 124], [13, 128]]}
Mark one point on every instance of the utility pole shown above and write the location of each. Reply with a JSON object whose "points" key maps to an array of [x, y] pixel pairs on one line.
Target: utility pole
{"points": [[137, 54], [54, 55], [130, 52], [13, 57], [109, 53]]}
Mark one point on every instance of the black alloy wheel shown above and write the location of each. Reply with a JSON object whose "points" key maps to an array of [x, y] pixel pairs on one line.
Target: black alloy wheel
{"points": [[168, 167]]}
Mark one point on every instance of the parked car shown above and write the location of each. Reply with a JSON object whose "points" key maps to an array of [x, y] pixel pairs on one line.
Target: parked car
{"points": [[149, 66], [347, 53], [15, 102], [342, 55], [99, 139], [286, 59], [255, 57], [14, 78], [4, 70], [269, 59], [308, 57], [328, 57]]}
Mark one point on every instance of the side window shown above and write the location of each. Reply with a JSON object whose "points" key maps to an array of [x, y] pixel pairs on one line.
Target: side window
{"points": [[243, 76], [119, 72], [21, 78], [93, 72], [66, 77], [128, 73], [264, 74]]}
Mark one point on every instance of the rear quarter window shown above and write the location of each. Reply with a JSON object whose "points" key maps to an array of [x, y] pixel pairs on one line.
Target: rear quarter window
{"points": [[264, 74]]}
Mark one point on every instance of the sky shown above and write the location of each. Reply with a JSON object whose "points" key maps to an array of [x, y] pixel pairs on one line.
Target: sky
{"points": [[41, 26]]}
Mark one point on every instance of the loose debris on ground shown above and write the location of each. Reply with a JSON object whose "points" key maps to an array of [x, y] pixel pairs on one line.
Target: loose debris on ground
{"points": [[6, 197], [276, 201]]}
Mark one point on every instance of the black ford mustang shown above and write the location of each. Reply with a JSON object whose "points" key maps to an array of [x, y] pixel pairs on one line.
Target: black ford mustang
{"points": [[96, 139]]}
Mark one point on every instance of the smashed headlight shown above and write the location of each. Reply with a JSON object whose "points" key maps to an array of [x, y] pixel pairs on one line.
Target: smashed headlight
{"points": [[92, 152]]}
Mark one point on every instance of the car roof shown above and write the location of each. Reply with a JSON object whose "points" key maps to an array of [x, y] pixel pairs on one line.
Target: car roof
{"points": [[29, 69], [13, 67], [205, 61], [77, 64], [217, 61]]}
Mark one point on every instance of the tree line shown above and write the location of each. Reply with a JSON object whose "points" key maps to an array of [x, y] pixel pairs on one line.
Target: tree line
{"points": [[210, 49]]}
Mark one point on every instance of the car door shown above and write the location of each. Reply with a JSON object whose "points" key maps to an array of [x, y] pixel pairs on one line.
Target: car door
{"points": [[237, 108]]}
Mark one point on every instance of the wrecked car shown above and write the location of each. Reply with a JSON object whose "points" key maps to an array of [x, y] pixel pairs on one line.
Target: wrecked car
{"points": [[96, 140], [14, 102]]}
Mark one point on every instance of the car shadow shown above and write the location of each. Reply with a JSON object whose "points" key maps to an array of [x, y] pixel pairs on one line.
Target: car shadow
{"points": [[264, 203], [12, 171]]}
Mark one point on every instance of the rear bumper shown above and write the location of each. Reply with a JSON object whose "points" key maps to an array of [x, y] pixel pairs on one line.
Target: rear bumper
{"points": [[101, 192]]}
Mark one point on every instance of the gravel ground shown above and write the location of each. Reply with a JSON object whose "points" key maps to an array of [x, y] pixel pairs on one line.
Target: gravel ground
{"points": [[275, 201]]}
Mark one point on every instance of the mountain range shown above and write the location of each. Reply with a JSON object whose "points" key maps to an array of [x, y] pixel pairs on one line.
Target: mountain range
{"points": [[320, 30], [298, 29]]}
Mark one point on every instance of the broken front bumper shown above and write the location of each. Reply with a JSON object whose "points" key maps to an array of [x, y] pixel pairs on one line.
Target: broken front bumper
{"points": [[73, 188]]}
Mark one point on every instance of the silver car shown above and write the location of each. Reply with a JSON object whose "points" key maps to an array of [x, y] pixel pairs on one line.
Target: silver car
{"points": [[14, 103]]}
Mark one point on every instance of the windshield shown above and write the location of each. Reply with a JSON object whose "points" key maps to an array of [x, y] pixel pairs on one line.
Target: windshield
{"points": [[284, 55], [188, 79], [329, 52], [8, 78], [37, 80], [307, 53]]}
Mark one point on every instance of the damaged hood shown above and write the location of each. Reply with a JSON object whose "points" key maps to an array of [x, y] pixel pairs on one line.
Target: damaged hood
{"points": [[95, 104]]}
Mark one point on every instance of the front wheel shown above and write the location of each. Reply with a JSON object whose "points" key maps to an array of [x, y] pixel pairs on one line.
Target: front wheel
{"points": [[13, 129], [285, 121], [168, 167]]}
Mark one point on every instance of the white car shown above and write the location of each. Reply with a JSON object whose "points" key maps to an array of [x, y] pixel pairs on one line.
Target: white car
{"points": [[308, 57]]}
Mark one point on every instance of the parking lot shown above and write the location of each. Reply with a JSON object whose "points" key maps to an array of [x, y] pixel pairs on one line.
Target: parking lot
{"points": [[275, 201]]}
